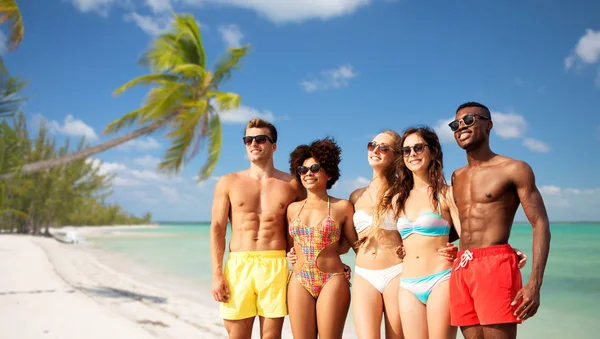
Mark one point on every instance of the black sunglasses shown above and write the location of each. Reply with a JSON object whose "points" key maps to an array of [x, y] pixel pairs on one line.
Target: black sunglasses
{"points": [[260, 139], [314, 168], [372, 145], [468, 120], [418, 148]]}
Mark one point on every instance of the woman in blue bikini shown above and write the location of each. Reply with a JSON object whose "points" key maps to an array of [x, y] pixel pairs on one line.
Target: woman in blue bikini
{"points": [[425, 212]]}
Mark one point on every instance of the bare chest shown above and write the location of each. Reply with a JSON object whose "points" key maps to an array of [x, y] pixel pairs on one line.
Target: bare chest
{"points": [[262, 198], [481, 186]]}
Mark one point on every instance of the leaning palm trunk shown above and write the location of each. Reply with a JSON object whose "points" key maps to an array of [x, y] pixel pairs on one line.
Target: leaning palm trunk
{"points": [[184, 94], [87, 152]]}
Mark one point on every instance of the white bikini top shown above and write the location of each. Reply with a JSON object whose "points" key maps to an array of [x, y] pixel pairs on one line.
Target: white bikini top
{"points": [[362, 220]]}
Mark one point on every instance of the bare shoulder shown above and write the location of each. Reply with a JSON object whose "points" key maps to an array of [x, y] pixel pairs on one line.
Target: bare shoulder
{"points": [[519, 170], [227, 180], [354, 196], [341, 204], [457, 172], [294, 207]]}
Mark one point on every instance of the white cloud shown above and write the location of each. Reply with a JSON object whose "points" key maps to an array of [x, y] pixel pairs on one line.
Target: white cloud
{"points": [[293, 11], [159, 6], [587, 52], [587, 49], [343, 188], [147, 162], [73, 127], [100, 6], [232, 35], [444, 132], [151, 25], [536, 145], [140, 144], [243, 114], [509, 126], [106, 167], [330, 79], [169, 193]]}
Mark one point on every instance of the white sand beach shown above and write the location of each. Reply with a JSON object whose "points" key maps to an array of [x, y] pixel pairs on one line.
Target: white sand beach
{"points": [[50, 289]]}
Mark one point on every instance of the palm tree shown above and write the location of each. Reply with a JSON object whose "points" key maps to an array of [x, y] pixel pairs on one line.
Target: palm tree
{"points": [[184, 98], [9, 86], [9, 11]]}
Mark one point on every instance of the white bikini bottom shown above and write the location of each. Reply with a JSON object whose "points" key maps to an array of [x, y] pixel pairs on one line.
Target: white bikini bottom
{"points": [[379, 278]]}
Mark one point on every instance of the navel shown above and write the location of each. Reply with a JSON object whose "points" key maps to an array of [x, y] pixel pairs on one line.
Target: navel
{"points": [[489, 195]]}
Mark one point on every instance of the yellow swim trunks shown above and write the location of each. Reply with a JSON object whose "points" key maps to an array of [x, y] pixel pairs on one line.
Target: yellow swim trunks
{"points": [[257, 282]]}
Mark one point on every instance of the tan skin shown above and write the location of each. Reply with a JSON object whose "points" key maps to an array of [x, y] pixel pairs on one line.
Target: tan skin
{"points": [[255, 201], [369, 306], [487, 193], [324, 316], [422, 259]]}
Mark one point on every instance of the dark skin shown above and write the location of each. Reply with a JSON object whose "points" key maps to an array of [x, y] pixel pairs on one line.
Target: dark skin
{"points": [[487, 192]]}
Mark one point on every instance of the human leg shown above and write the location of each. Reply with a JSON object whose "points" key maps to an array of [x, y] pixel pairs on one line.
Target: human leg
{"points": [[270, 328], [393, 324], [438, 313], [413, 315], [367, 308], [332, 307], [302, 311], [502, 331], [239, 329]]}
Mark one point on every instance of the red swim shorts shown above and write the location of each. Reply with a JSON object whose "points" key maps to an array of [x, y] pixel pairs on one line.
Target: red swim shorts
{"points": [[483, 283]]}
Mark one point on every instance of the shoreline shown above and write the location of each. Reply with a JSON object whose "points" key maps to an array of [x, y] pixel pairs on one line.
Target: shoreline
{"points": [[89, 273]]}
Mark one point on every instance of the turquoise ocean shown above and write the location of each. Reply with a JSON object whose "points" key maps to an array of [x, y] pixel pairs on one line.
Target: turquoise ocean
{"points": [[177, 256]]}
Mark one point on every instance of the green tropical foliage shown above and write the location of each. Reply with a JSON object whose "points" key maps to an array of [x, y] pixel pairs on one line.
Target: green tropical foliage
{"points": [[184, 99], [73, 194], [9, 12]]}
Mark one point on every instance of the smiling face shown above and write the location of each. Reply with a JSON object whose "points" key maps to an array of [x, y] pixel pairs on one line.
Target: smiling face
{"points": [[476, 134], [416, 162], [314, 180], [379, 158], [258, 152]]}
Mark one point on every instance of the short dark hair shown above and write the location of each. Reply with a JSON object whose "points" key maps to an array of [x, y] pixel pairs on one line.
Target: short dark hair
{"points": [[260, 123], [485, 111], [325, 151]]}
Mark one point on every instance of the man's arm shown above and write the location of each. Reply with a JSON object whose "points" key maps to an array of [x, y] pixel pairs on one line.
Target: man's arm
{"points": [[218, 229], [533, 206]]}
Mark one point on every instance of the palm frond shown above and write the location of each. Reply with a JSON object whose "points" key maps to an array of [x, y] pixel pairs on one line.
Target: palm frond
{"points": [[190, 70], [188, 28], [227, 100], [124, 121], [10, 87], [214, 148], [227, 64], [9, 11], [146, 80], [183, 133]]}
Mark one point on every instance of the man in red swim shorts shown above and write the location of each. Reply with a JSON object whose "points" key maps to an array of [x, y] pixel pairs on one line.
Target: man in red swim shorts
{"points": [[487, 296]]}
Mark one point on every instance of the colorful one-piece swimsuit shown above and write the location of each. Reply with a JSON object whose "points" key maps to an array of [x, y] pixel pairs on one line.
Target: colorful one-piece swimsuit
{"points": [[312, 241]]}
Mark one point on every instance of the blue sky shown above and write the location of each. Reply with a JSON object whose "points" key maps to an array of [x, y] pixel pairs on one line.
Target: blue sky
{"points": [[340, 68]]}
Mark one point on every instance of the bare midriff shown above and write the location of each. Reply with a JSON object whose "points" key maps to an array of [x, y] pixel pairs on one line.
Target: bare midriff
{"points": [[380, 251], [422, 257]]}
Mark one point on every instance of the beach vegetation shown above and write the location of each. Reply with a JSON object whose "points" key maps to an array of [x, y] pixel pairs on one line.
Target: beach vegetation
{"points": [[184, 100], [72, 194]]}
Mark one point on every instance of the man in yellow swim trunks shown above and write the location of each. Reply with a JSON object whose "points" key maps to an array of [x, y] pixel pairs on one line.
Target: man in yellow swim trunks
{"points": [[255, 200]]}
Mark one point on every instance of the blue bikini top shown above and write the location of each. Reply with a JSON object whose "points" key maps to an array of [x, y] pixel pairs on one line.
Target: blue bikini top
{"points": [[428, 224]]}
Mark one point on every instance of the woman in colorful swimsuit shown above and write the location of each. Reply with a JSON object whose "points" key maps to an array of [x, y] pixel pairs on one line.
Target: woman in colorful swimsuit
{"points": [[318, 291], [378, 266], [423, 206]]}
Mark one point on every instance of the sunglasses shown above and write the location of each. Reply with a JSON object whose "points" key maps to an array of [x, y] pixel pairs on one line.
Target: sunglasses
{"points": [[302, 170], [418, 148], [372, 145], [260, 139], [468, 120]]}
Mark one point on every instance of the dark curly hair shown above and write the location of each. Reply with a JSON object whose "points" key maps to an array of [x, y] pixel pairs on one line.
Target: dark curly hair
{"points": [[325, 151], [404, 184]]}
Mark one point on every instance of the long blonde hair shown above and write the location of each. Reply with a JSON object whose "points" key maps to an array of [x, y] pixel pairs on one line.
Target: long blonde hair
{"points": [[390, 176]]}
